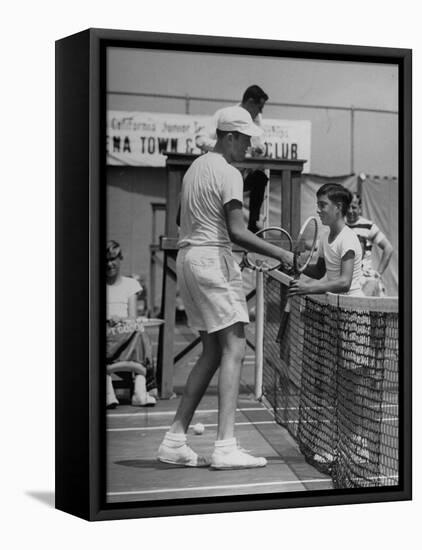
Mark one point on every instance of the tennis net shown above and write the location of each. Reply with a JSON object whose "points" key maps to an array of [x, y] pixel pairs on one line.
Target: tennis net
{"points": [[332, 381]]}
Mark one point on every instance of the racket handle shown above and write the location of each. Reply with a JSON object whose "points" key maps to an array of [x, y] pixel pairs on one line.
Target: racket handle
{"points": [[283, 324], [287, 306]]}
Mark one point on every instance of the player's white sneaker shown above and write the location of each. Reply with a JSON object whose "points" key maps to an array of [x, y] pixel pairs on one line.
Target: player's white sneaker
{"points": [[324, 457], [181, 456], [360, 450], [147, 401], [235, 459], [111, 402]]}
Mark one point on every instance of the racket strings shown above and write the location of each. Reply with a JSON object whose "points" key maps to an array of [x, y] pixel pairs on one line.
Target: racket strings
{"points": [[306, 245], [274, 236]]}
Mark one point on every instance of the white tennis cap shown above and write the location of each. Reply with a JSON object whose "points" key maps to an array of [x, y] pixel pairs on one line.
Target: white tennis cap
{"points": [[238, 119]]}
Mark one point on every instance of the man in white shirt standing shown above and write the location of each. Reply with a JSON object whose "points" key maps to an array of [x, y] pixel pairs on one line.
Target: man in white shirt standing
{"points": [[211, 288], [255, 181]]}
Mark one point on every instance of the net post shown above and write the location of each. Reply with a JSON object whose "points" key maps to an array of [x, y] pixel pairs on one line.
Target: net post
{"points": [[266, 202], [259, 334]]}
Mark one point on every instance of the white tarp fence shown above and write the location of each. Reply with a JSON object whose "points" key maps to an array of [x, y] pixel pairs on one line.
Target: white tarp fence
{"points": [[379, 204]]}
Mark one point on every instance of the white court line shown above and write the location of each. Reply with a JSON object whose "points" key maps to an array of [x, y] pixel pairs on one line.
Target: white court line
{"points": [[326, 421], [171, 413], [152, 428], [149, 428], [246, 409], [379, 478], [212, 487], [259, 423], [239, 486], [246, 362]]}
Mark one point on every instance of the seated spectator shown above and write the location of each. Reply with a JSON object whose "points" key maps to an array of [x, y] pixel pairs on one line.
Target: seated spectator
{"points": [[126, 339]]}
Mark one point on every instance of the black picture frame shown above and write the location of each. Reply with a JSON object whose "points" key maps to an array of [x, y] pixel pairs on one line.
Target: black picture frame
{"points": [[80, 307]]}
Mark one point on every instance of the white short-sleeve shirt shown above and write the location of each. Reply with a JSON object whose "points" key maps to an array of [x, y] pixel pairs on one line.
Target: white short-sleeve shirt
{"points": [[371, 234], [209, 184], [334, 252], [118, 296]]}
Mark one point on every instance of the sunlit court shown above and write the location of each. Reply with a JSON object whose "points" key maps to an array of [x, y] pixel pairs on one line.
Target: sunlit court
{"points": [[318, 399], [133, 437]]}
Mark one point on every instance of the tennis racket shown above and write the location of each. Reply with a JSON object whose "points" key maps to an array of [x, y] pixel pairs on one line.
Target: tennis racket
{"points": [[303, 252], [275, 235]]}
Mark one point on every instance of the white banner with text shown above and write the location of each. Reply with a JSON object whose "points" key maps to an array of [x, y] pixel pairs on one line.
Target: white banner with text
{"points": [[142, 139]]}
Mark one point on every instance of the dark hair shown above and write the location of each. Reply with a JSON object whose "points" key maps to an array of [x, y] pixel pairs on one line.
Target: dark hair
{"points": [[255, 93], [336, 193], [113, 250], [357, 197]]}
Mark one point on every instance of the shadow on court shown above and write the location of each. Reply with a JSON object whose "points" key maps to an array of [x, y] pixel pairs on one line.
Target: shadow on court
{"points": [[163, 466], [134, 435], [149, 464]]}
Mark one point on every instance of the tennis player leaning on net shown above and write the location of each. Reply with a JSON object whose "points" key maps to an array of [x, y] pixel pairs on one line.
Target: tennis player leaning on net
{"points": [[211, 288], [339, 253]]}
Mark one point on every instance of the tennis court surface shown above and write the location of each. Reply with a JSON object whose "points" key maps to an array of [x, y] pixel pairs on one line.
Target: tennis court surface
{"points": [[134, 435], [328, 418]]}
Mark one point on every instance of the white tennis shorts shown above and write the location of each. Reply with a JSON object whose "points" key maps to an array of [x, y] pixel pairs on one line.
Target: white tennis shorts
{"points": [[210, 284]]}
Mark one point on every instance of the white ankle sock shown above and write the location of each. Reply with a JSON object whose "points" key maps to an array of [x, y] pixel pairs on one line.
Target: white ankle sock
{"points": [[174, 440], [225, 445]]}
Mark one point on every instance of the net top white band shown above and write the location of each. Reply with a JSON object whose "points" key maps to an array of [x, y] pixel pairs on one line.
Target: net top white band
{"points": [[388, 305]]}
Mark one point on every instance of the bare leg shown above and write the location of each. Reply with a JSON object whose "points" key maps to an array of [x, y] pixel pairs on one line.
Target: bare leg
{"points": [[232, 342], [227, 455], [141, 397], [111, 399], [197, 382]]}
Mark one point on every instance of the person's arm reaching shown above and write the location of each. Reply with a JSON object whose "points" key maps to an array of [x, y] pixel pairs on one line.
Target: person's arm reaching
{"points": [[376, 236], [387, 251], [339, 286], [258, 143], [244, 238], [207, 137], [205, 143]]}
